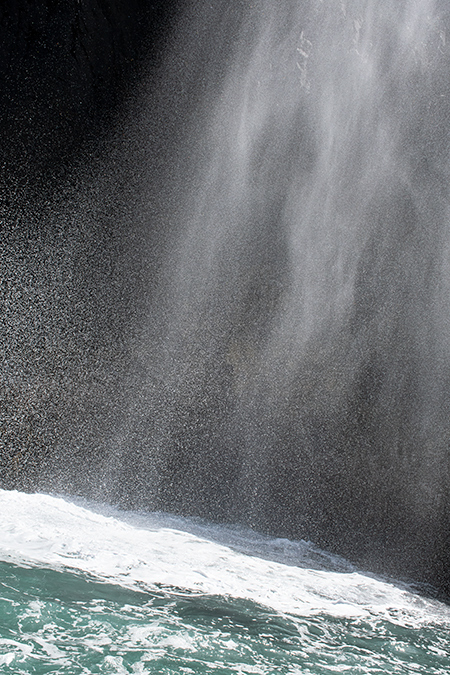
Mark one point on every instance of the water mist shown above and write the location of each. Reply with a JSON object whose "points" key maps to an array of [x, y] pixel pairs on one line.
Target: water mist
{"points": [[266, 284]]}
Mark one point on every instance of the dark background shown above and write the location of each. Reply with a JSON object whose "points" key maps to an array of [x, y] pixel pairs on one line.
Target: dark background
{"points": [[65, 69]]}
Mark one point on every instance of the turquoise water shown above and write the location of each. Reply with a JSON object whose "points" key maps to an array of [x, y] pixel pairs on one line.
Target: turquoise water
{"points": [[89, 589], [61, 622]]}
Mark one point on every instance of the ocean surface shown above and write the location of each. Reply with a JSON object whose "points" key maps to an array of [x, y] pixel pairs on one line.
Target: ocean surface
{"points": [[86, 588]]}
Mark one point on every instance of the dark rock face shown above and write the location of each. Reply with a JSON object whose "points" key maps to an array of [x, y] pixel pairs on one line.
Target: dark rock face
{"points": [[65, 67], [224, 269]]}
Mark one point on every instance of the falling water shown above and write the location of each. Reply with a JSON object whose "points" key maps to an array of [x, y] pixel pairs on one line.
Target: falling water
{"points": [[235, 306]]}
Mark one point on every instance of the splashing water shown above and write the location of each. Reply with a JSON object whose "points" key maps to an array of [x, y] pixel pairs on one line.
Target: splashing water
{"points": [[89, 588]]}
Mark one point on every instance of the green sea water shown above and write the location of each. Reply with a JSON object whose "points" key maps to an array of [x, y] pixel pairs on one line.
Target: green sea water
{"points": [[65, 622]]}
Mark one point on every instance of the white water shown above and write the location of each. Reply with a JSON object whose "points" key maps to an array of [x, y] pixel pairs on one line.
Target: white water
{"points": [[139, 549]]}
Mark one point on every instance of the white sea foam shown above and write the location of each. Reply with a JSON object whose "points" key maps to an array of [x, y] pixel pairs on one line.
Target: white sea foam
{"points": [[137, 549]]}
